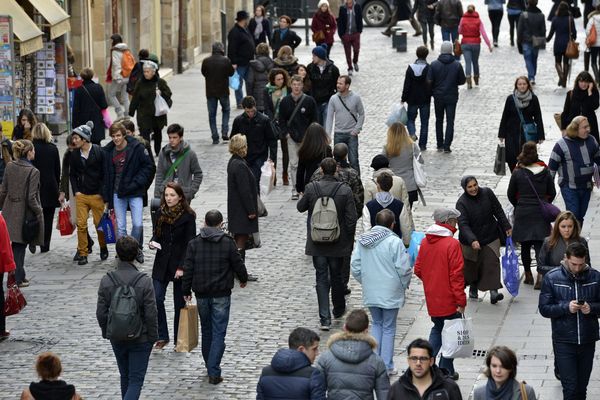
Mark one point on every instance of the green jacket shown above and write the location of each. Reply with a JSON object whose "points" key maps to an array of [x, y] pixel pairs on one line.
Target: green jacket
{"points": [[142, 102]]}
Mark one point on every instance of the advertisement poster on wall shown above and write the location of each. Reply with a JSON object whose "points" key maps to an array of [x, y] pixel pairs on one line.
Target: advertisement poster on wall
{"points": [[7, 105]]}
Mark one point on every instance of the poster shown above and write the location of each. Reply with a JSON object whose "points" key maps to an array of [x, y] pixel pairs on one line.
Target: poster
{"points": [[45, 74], [7, 103]]}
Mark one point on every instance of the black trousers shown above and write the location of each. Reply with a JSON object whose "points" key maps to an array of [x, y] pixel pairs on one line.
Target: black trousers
{"points": [[48, 226], [156, 132], [526, 252], [495, 19], [512, 22]]}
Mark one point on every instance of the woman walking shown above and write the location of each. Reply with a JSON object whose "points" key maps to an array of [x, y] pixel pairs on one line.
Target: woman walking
{"points": [[425, 10], [258, 75], [259, 26], [25, 123], [563, 25], [530, 182], [594, 20], [471, 28], [47, 162], [89, 104], [284, 36], [584, 100], [274, 92], [175, 227], [20, 201], [514, 8], [286, 60], [495, 12], [521, 107], [142, 102], [323, 26], [479, 224], [313, 149]]}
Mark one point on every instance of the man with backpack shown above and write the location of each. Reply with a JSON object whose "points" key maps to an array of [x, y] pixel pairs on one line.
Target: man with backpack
{"points": [[127, 315], [332, 221], [117, 75]]}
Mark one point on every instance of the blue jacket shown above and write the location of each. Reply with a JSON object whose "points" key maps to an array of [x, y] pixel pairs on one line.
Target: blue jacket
{"points": [[291, 377], [445, 75], [381, 264], [559, 287]]}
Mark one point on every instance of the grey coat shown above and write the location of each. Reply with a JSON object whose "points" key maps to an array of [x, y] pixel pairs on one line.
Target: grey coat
{"points": [[479, 391], [257, 79], [352, 369], [12, 199], [189, 173], [402, 165], [550, 258]]}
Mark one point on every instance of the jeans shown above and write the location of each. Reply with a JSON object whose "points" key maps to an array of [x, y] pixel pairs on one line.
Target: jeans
{"points": [[575, 366], [427, 26], [449, 109], [352, 143], [132, 359], [576, 201], [239, 93], [214, 317], [85, 203], [384, 331], [328, 272], [118, 97], [424, 111], [293, 155], [530, 54], [435, 338], [212, 103], [450, 35], [351, 42], [136, 205], [255, 166], [496, 20], [471, 53], [19, 256], [322, 111], [160, 290]]}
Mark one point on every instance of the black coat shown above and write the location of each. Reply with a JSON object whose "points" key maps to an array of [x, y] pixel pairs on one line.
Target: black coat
{"points": [[577, 102], [324, 85], [142, 102], [217, 69], [259, 135], [529, 223], [342, 21], [88, 107], [241, 197], [47, 161], [424, 13], [445, 75], [173, 239], [416, 89], [307, 114], [291, 39], [560, 27], [265, 35], [306, 169], [88, 178], [240, 46], [480, 217]]}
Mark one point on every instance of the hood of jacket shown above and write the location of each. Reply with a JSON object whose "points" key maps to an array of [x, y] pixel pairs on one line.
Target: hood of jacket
{"points": [[418, 67], [446, 58], [167, 149], [261, 64], [285, 61], [352, 348], [533, 9], [52, 390], [576, 277], [289, 360], [473, 14], [212, 234], [375, 236], [121, 47], [536, 168], [436, 232]]}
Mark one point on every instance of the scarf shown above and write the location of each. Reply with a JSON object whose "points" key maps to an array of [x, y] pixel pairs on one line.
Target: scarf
{"points": [[384, 198], [504, 392], [522, 99], [259, 27], [168, 215], [283, 32], [276, 99]]}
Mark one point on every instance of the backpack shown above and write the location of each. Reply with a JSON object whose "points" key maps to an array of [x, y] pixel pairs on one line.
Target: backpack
{"points": [[324, 224], [124, 314], [127, 63]]}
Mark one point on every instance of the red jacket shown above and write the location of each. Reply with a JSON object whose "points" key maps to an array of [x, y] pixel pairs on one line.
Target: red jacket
{"points": [[471, 28], [7, 260], [319, 23], [440, 266]]}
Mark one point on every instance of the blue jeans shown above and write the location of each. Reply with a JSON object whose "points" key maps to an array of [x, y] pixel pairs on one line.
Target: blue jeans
{"points": [[449, 109], [424, 111], [450, 35], [322, 111], [239, 93], [435, 338], [212, 103], [530, 54], [132, 359], [352, 143], [328, 272], [576, 201], [214, 317], [575, 366], [471, 53], [136, 205], [160, 290], [384, 331]]}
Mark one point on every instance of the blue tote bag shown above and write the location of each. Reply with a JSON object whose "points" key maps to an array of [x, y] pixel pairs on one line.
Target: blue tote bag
{"points": [[510, 268]]}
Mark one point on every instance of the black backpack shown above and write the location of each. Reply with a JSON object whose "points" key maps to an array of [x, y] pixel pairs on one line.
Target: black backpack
{"points": [[124, 314]]}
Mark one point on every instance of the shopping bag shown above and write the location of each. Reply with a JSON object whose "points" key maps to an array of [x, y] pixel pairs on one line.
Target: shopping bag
{"points": [[398, 114], [509, 211], [14, 301], [261, 209], [160, 106], [253, 241], [419, 171], [500, 161], [510, 268], [267, 177], [415, 245], [457, 338], [107, 227], [65, 226], [234, 81], [187, 335]]}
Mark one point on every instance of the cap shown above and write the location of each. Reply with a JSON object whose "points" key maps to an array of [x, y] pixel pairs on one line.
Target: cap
{"points": [[444, 214], [320, 51]]}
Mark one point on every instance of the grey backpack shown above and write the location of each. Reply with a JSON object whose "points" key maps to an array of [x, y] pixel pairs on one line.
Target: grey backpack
{"points": [[324, 224], [124, 314]]}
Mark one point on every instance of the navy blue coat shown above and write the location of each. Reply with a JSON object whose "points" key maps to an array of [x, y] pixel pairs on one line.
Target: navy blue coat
{"points": [[445, 75], [292, 377], [560, 27], [342, 21]]}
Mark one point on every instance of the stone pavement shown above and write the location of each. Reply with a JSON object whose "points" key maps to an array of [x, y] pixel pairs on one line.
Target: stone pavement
{"points": [[60, 316]]}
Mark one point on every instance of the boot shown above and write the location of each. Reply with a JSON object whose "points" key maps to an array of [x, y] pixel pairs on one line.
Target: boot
{"points": [[596, 74], [495, 296], [559, 71], [476, 79], [286, 180], [528, 278], [566, 70], [473, 294], [538, 281], [275, 180], [469, 83]]}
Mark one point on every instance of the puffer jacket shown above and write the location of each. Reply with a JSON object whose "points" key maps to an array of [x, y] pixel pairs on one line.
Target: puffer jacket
{"points": [[480, 216], [352, 370], [257, 79], [559, 287], [441, 385], [114, 71], [472, 29]]}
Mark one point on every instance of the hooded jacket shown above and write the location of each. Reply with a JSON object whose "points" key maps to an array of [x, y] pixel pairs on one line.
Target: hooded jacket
{"points": [[398, 189], [351, 368], [442, 387], [382, 266], [114, 71], [440, 266], [324, 84], [211, 261], [257, 78], [531, 23], [403, 218], [445, 76], [189, 173], [291, 377], [52, 390], [416, 90]]}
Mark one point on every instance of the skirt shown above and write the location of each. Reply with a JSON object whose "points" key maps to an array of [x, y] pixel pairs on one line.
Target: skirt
{"points": [[482, 267]]}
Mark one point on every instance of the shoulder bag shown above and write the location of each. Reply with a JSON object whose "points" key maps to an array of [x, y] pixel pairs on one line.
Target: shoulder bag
{"points": [[530, 130], [347, 109], [523, 390], [539, 42], [549, 210], [176, 163], [31, 225], [572, 51]]}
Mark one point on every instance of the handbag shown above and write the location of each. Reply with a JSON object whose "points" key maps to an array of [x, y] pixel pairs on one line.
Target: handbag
{"points": [[14, 301], [31, 226], [457, 48], [318, 37], [510, 268], [418, 171], [549, 210], [572, 51], [500, 161], [590, 39], [576, 12], [160, 105], [107, 227], [530, 130]]}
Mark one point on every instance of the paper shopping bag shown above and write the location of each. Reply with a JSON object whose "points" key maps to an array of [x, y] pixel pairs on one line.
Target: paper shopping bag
{"points": [[457, 338], [187, 335]]}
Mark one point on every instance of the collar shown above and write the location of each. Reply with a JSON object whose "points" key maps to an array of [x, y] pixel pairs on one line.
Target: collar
{"points": [[450, 227]]}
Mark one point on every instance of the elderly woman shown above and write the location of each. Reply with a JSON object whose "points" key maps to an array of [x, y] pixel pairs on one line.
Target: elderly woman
{"points": [[242, 196], [479, 223], [142, 101]]}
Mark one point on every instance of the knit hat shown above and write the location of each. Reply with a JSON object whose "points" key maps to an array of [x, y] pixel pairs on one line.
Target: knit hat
{"points": [[447, 48], [323, 2], [84, 131], [380, 161], [444, 214], [320, 51]]}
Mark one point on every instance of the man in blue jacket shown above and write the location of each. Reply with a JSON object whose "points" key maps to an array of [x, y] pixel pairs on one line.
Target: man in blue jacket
{"points": [[570, 297]]}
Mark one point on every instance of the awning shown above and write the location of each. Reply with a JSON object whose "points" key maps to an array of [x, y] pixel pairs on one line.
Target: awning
{"points": [[55, 15], [23, 27]]}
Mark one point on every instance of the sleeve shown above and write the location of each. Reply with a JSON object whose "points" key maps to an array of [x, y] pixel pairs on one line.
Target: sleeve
{"points": [[502, 129], [76, 109], [150, 311], [165, 91], [304, 203], [551, 33], [188, 269], [366, 218], [419, 264], [237, 264], [102, 103], [271, 140], [403, 267], [57, 176], [300, 176], [330, 112], [356, 263], [460, 26], [350, 211], [359, 195], [315, 116], [135, 100], [361, 115], [537, 117], [457, 277], [550, 189], [405, 225], [483, 33], [249, 80], [318, 386], [243, 186], [34, 190], [144, 175], [72, 174], [555, 159], [460, 77], [573, 29], [544, 257], [161, 169], [564, 116], [296, 40], [512, 191], [549, 305], [314, 25], [382, 380], [498, 211], [464, 224], [196, 172], [64, 176], [594, 99], [102, 307], [407, 85], [520, 29]]}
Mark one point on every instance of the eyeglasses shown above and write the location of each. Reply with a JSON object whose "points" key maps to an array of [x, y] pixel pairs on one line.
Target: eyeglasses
{"points": [[416, 359]]}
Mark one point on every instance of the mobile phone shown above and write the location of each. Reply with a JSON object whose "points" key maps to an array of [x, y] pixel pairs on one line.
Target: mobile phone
{"points": [[581, 302]]}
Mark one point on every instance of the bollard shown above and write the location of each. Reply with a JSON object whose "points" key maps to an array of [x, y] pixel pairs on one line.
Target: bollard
{"points": [[393, 30], [399, 41]]}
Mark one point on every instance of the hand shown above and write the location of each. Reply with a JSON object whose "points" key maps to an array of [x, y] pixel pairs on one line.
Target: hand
{"points": [[355, 133], [251, 216], [475, 245], [460, 310], [27, 125], [574, 307], [61, 197], [509, 232], [187, 298], [586, 308], [590, 88], [243, 284], [178, 273]]}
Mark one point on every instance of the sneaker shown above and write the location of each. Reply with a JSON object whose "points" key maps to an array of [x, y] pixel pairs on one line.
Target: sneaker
{"points": [[392, 372], [215, 380], [82, 260], [225, 138], [140, 256], [103, 253], [355, 66], [440, 149], [495, 44], [386, 33], [215, 141], [324, 327], [349, 72], [423, 148], [447, 151], [239, 107], [25, 283], [295, 196]]}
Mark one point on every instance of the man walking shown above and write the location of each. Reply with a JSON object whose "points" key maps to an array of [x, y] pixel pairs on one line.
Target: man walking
{"points": [[211, 262], [531, 31], [440, 266], [131, 338], [349, 27], [570, 297], [117, 75], [444, 77], [327, 251], [417, 93], [240, 50], [323, 75], [217, 69], [447, 15], [381, 264], [347, 109]]}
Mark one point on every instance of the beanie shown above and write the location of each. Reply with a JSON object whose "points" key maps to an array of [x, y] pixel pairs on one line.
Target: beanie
{"points": [[446, 48], [85, 131], [380, 161], [320, 51], [323, 2]]}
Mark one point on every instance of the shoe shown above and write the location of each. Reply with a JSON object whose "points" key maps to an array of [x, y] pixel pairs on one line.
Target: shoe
{"points": [[77, 257], [160, 344], [295, 196], [140, 256], [4, 335], [556, 374], [286, 179], [512, 42], [32, 248], [215, 141], [476, 80], [416, 34], [454, 376], [528, 278], [90, 246], [422, 148], [349, 72], [432, 45], [225, 138], [386, 33], [414, 138], [215, 380], [347, 291], [495, 296], [324, 327], [25, 283], [355, 66], [82, 260], [447, 150], [473, 293], [495, 44], [252, 278], [440, 149], [469, 82], [239, 107], [275, 181], [532, 82], [538, 281], [392, 372], [103, 253]]}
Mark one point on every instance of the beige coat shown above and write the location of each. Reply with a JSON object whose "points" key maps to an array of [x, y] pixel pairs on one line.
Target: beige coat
{"points": [[12, 199]]}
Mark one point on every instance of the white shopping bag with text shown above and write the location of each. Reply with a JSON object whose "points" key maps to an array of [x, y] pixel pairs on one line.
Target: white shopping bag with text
{"points": [[457, 338]]}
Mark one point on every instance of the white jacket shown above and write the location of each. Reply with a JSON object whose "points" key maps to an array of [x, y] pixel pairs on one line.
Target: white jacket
{"points": [[116, 54], [596, 21]]}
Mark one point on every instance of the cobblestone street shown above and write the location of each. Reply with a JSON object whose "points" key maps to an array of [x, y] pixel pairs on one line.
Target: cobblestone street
{"points": [[60, 315]]}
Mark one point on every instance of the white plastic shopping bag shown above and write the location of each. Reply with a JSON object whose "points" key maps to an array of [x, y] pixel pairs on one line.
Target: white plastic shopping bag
{"points": [[397, 114], [457, 338], [160, 105], [267, 178]]}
